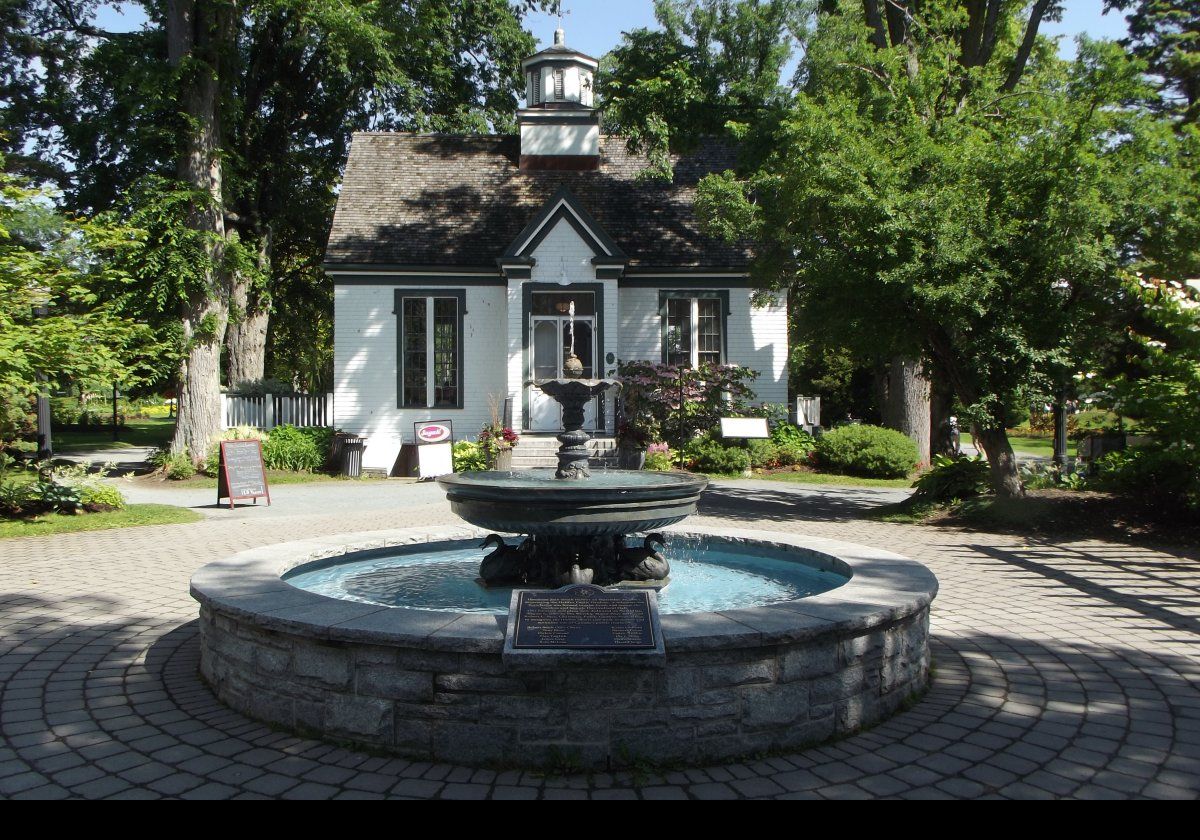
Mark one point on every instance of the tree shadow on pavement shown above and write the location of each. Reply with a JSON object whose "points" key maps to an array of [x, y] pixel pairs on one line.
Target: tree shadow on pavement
{"points": [[762, 504]]}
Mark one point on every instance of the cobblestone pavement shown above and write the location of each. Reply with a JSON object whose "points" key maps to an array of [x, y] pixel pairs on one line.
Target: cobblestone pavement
{"points": [[1061, 671]]}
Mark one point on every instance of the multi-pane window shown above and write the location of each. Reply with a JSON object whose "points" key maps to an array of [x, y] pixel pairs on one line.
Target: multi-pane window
{"points": [[679, 331], [415, 375], [445, 352], [693, 330], [430, 352], [708, 332]]}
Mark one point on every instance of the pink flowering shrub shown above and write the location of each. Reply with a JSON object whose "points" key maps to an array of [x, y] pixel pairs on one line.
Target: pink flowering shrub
{"points": [[651, 396]]}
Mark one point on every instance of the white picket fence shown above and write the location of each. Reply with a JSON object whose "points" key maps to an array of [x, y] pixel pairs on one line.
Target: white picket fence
{"points": [[268, 411]]}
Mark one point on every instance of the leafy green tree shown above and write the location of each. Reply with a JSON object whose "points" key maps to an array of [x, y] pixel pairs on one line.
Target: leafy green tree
{"points": [[1166, 33], [56, 328], [930, 203], [1160, 383], [713, 63], [249, 108]]}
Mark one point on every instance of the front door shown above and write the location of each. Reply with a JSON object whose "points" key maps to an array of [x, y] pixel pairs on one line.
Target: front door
{"points": [[551, 343]]}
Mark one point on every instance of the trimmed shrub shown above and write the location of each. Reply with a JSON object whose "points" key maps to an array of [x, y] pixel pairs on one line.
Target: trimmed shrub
{"points": [[870, 451], [954, 478], [794, 454], [764, 454], [1163, 481], [177, 466], [1040, 476], [705, 454], [795, 445], [212, 463], [298, 450], [659, 457], [469, 457], [259, 387], [96, 497], [180, 467]]}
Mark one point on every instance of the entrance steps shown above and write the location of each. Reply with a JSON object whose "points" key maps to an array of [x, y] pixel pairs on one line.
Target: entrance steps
{"points": [[537, 451]]}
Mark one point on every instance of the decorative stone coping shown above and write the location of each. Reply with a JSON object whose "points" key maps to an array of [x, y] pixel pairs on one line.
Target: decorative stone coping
{"points": [[433, 684]]}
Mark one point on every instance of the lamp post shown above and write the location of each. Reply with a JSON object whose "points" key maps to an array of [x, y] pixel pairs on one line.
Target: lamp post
{"points": [[1060, 430], [682, 415], [45, 446]]}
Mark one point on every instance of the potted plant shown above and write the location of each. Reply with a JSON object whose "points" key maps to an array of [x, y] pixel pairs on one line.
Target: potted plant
{"points": [[497, 442], [632, 440]]}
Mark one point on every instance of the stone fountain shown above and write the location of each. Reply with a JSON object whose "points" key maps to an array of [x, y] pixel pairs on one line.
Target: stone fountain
{"points": [[574, 524], [380, 639]]}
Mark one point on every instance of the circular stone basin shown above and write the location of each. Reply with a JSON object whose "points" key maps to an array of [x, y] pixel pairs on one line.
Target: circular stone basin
{"points": [[706, 576], [433, 683], [610, 502]]}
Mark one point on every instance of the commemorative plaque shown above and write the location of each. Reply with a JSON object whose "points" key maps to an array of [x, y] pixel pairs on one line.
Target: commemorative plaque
{"points": [[583, 623], [240, 473]]}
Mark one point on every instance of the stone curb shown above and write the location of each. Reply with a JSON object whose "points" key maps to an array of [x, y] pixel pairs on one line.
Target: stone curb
{"points": [[884, 588]]}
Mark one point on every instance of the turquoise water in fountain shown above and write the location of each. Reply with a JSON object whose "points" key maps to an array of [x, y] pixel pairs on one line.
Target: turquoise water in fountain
{"points": [[706, 576]]}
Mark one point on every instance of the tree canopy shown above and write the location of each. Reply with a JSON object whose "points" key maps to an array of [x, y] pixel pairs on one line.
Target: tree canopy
{"points": [[61, 322], [244, 110], [941, 185], [714, 63]]}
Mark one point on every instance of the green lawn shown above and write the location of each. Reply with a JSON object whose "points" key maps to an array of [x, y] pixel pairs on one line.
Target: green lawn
{"points": [[132, 516], [153, 432], [1040, 446], [273, 477], [835, 479]]}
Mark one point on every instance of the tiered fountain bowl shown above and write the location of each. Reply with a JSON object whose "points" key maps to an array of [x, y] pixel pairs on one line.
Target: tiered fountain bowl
{"points": [[393, 640]]}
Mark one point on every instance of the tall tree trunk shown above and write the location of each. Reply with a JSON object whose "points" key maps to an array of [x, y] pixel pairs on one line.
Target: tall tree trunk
{"points": [[1006, 480], [941, 403], [198, 32], [906, 408], [249, 313], [246, 339], [1017, 69], [993, 443], [875, 21]]}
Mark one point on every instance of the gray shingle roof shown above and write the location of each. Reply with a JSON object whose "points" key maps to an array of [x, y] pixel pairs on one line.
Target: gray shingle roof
{"points": [[458, 200]]}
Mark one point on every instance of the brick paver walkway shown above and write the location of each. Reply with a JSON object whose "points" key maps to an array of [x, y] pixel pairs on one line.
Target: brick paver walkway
{"points": [[1061, 670]]}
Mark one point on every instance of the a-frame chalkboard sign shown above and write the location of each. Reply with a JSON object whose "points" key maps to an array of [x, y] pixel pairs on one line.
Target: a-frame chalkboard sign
{"points": [[241, 474]]}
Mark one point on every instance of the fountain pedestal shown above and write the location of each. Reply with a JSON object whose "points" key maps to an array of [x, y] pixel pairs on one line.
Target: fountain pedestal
{"points": [[574, 529], [573, 395]]}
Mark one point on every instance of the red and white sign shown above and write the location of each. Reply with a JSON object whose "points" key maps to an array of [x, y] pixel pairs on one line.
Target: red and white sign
{"points": [[435, 451], [433, 432]]}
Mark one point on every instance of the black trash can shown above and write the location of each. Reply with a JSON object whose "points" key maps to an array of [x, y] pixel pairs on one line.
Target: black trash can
{"points": [[333, 459], [351, 452]]}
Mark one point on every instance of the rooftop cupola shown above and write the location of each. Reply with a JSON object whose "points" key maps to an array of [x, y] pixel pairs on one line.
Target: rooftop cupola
{"points": [[560, 128]]}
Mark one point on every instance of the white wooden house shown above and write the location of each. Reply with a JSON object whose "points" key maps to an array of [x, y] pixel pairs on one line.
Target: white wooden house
{"points": [[456, 258]]}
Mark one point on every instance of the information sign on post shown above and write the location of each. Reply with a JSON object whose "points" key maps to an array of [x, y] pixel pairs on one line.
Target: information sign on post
{"points": [[744, 427]]}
